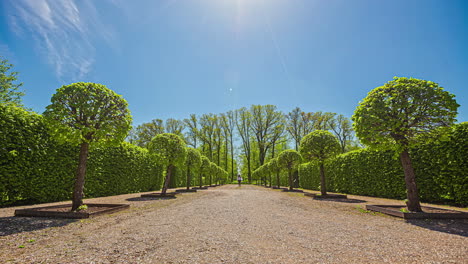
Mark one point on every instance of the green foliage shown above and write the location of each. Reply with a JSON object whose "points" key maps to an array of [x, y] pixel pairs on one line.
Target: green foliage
{"points": [[395, 113], [194, 158], [9, 91], [142, 134], [87, 112], [122, 169], [169, 148], [289, 159], [320, 145], [82, 207], [440, 167], [35, 168]]}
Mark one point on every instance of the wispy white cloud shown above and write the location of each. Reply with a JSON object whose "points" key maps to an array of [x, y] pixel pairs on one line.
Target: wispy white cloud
{"points": [[64, 32]]}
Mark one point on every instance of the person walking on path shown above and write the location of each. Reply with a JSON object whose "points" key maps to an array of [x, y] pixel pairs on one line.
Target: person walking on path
{"points": [[239, 179]]}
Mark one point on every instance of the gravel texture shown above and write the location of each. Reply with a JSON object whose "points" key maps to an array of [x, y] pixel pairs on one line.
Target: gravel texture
{"points": [[231, 224]]}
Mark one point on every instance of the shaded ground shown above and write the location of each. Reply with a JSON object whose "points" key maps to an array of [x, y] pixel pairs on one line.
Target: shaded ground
{"points": [[234, 225]]}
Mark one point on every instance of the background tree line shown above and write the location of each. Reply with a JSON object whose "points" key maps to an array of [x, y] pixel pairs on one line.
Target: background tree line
{"points": [[246, 138]]}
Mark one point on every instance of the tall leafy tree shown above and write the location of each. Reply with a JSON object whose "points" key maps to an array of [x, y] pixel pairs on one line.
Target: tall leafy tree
{"points": [[265, 119], [343, 130], [228, 124], [320, 145], [143, 133], [243, 123], [192, 133], [218, 139], [294, 126], [395, 114], [85, 113], [171, 151], [207, 133], [192, 162], [9, 89], [175, 126], [290, 160]]}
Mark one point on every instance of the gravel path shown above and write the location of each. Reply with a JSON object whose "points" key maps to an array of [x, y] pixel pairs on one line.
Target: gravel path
{"points": [[229, 224]]}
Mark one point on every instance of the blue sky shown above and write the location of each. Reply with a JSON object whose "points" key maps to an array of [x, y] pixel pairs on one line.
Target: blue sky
{"points": [[172, 58]]}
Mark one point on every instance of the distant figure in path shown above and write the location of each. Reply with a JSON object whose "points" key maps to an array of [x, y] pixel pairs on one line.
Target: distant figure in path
{"points": [[239, 179]]}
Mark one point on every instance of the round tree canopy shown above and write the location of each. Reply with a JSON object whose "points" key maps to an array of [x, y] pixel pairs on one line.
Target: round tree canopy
{"points": [[205, 163], [170, 148], [289, 159], [194, 158], [86, 112], [319, 144], [403, 108]]}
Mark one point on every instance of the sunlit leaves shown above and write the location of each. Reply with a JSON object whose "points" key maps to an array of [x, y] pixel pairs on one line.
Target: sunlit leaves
{"points": [[402, 109], [88, 112], [319, 145]]}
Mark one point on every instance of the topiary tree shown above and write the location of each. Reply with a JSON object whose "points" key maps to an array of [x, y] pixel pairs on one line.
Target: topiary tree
{"points": [[204, 168], [397, 113], [193, 161], [320, 145], [84, 113], [171, 151], [212, 172], [275, 168], [290, 160]]}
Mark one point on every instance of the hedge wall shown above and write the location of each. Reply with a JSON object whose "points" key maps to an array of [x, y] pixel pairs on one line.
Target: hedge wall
{"points": [[441, 171], [35, 169]]}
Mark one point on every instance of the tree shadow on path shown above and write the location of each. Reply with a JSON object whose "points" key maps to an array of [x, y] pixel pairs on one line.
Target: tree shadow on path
{"points": [[449, 226], [13, 225], [341, 200], [142, 199]]}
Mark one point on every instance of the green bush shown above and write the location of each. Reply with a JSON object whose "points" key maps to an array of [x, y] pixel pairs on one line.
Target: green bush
{"points": [[34, 168], [441, 170], [123, 169]]}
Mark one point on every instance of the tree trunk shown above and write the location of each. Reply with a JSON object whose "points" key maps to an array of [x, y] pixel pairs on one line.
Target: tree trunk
{"points": [[296, 179], [290, 180], [232, 161], [270, 178], [80, 177], [226, 152], [249, 175], [277, 179], [261, 153], [410, 180], [167, 179], [201, 180], [189, 179], [323, 186]]}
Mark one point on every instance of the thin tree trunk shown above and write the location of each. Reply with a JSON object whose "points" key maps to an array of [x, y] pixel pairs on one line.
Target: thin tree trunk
{"points": [[277, 179], [413, 203], [167, 179], [290, 180], [188, 178], [323, 186], [232, 161], [201, 180], [80, 177], [270, 178], [249, 175], [226, 152]]}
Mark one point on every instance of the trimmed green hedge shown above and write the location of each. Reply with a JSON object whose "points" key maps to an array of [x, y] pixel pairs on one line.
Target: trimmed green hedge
{"points": [[441, 171], [34, 168]]}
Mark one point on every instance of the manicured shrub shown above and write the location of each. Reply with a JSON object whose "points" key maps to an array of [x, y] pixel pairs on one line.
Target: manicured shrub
{"points": [[441, 167], [34, 168]]}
